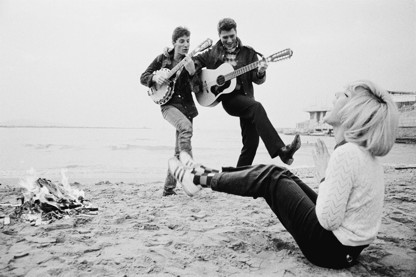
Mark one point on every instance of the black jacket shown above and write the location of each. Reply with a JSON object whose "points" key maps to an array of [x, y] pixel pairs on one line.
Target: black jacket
{"points": [[182, 97]]}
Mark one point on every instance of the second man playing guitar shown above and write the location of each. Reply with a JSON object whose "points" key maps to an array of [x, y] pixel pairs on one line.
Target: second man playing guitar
{"points": [[254, 121]]}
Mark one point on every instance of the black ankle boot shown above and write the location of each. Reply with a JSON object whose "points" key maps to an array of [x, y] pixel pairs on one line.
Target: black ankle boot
{"points": [[286, 153]]}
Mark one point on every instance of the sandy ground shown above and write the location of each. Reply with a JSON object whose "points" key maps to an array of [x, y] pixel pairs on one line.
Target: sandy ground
{"points": [[137, 232]]}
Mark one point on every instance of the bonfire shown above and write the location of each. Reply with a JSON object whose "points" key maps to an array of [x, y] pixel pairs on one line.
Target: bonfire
{"points": [[43, 201]]}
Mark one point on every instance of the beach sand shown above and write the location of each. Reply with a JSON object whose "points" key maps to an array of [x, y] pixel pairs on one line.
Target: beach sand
{"points": [[137, 232]]}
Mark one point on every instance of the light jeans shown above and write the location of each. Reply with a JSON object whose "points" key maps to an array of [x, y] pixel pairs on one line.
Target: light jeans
{"points": [[184, 131]]}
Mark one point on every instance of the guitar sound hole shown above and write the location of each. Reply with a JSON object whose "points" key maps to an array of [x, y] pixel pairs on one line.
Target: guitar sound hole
{"points": [[220, 80]]}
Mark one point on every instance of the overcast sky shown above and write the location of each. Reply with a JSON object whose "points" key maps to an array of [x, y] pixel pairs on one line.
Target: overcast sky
{"points": [[78, 62]]}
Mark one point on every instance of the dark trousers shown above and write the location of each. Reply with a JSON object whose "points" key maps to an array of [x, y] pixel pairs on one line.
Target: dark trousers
{"points": [[254, 123], [294, 204]]}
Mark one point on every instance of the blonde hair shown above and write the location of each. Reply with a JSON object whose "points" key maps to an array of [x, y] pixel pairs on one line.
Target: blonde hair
{"points": [[370, 118]]}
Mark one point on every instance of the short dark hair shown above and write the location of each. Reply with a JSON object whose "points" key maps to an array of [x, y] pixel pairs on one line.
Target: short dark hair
{"points": [[180, 32], [226, 24]]}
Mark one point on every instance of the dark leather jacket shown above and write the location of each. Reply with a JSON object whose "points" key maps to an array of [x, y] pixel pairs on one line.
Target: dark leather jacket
{"points": [[215, 56], [182, 97]]}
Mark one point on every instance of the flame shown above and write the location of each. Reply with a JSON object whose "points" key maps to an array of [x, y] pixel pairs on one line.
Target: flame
{"points": [[35, 191], [44, 199], [71, 191], [29, 183]]}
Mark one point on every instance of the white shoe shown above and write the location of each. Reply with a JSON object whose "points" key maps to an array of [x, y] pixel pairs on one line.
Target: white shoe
{"points": [[189, 162], [183, 176]]}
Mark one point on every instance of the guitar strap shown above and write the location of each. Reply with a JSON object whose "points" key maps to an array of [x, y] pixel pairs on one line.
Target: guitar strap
{"points": [[176, 78], [260, 54]]}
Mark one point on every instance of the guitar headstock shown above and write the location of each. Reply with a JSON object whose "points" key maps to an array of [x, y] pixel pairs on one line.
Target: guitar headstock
{"points": [[284, 54], [204, 45]]}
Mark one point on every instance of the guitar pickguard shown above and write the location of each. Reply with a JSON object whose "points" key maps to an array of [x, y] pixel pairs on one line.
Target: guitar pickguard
{"points": [[215, 85], [218, 89]]}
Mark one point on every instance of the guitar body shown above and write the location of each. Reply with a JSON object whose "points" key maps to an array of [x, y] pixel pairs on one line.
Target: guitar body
{"points": [[214, 85], [161, 94]]}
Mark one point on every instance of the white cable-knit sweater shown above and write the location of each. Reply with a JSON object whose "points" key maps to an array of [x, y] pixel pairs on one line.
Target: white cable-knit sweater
{"points": [[350, 200]]}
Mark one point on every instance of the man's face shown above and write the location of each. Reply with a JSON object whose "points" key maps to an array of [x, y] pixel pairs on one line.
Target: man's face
{"points": [[229, 39], [181, 45]]}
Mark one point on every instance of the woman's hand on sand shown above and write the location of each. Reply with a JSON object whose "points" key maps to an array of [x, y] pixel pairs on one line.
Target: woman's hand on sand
{"points": [[320, 157]]}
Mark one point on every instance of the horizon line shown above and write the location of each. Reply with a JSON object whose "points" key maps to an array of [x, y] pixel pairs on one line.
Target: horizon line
{"points": [[70, 127]]}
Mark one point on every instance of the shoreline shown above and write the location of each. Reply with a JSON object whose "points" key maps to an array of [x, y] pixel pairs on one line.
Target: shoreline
{"points": [[13, 176]]}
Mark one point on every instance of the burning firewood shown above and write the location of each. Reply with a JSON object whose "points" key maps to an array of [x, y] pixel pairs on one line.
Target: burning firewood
{"points": [[44, 201]]}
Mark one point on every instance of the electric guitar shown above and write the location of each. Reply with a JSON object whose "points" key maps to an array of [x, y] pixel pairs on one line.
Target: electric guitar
{"points": [[161, 94], [222, 80]]}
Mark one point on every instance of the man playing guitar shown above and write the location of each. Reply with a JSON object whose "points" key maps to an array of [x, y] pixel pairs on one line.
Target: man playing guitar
{"points": [[253, 118], [178, 106]]}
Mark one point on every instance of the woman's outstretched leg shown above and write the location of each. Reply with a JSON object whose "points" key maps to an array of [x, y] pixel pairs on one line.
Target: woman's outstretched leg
{"points": [[290, 199], [293, 202]]}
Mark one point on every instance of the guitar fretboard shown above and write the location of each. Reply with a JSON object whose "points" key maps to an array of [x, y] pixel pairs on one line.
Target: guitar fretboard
{"points": [[285, 54], [179, 65], [205, 44], [241, 71]]}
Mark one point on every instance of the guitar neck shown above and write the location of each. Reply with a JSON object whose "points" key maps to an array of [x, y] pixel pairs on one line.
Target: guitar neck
{"points": [[241, 71], [285, 54], [179, 65]]}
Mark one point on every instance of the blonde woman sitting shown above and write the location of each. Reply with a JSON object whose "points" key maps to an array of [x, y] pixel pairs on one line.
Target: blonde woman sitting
{"points": [[333, 227]]}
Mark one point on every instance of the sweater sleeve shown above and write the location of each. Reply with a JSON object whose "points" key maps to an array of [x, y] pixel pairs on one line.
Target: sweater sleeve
{"points": [[335, 190]]}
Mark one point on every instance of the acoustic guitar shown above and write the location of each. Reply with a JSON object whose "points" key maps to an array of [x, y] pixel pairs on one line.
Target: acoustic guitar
{"points": [[222, 80]]}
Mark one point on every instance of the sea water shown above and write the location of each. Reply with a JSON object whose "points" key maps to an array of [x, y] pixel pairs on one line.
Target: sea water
{"points": [[137, 155]]}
